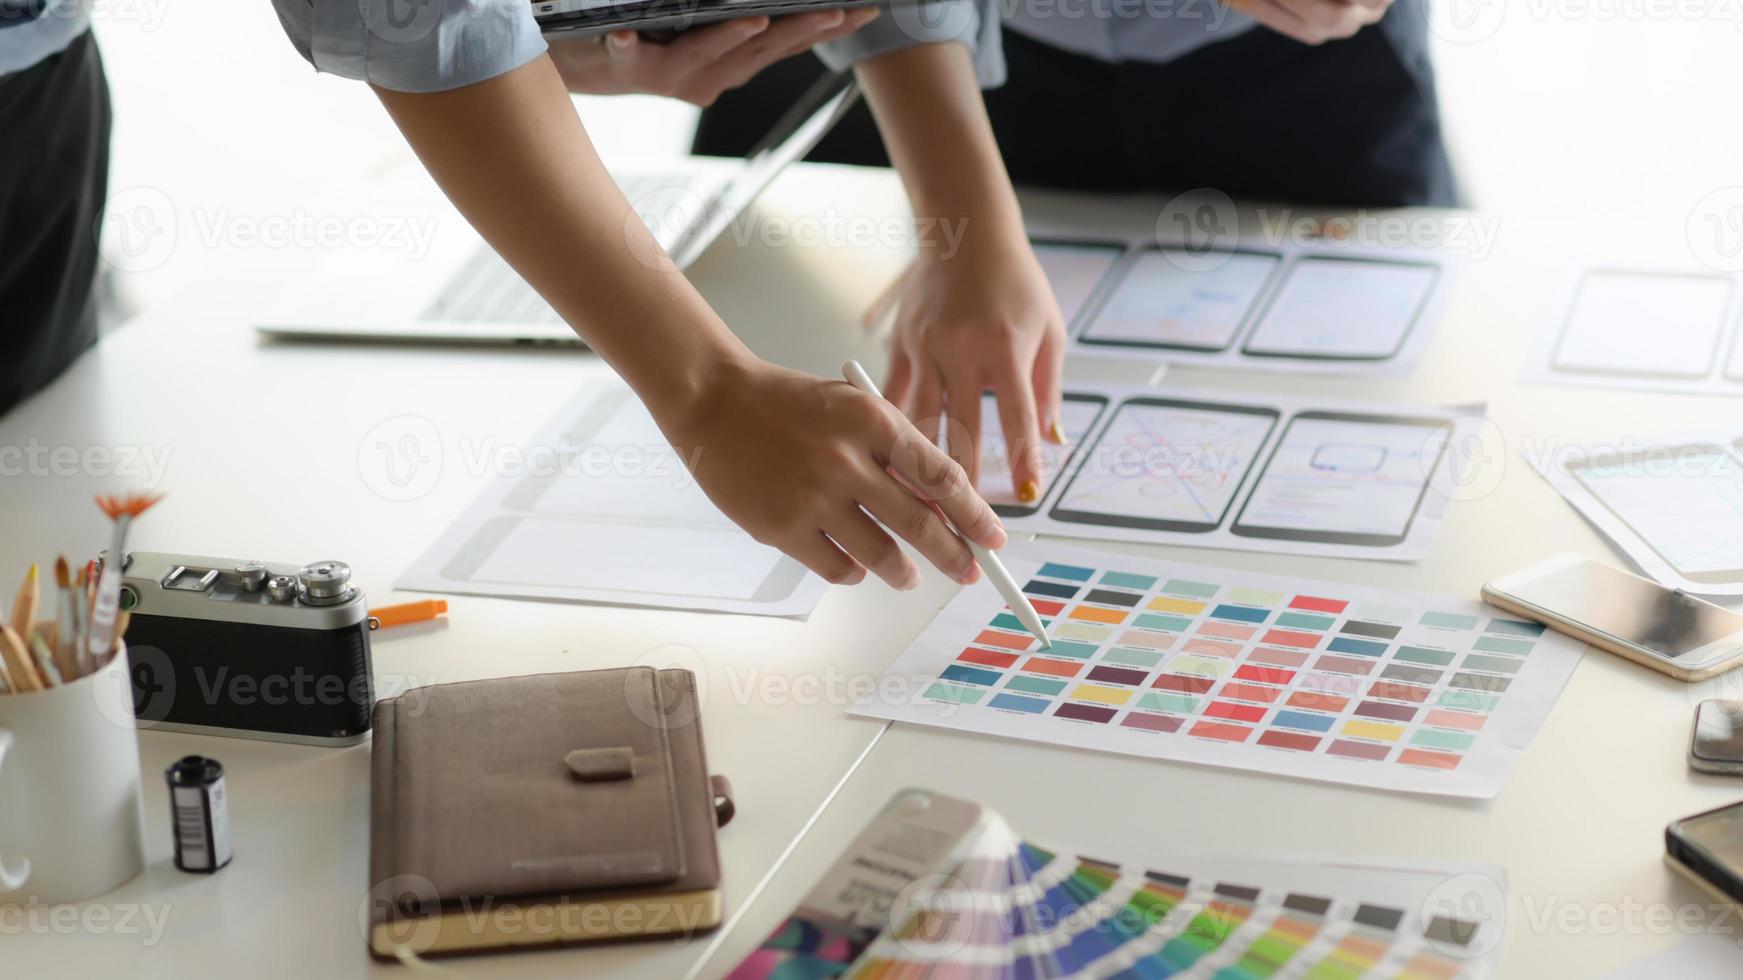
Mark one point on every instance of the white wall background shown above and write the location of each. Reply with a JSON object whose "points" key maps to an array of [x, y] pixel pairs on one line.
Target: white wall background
{"points": [[1620, 112]]}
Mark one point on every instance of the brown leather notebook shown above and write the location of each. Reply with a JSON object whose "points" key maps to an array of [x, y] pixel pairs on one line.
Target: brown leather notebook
{"points": [[550, 808]]}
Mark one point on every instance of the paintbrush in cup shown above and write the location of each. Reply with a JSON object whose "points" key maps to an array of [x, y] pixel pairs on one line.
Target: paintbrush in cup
{"points": [[65, 648], [104, 612], [45, 665]]}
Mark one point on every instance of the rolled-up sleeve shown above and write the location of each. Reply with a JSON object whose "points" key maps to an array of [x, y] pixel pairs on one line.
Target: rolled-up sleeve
{"points": [[413, 45], [972, 22]]}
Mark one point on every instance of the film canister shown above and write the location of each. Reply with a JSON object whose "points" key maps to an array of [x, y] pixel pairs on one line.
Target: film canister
{"points": [[199, 811]]}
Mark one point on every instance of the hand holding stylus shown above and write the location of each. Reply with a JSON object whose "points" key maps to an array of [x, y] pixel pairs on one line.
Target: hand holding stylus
{"points": [[995, 569]]}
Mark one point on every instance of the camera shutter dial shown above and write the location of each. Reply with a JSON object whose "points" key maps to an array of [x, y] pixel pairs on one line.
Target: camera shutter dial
{"points": [[326, 582]]}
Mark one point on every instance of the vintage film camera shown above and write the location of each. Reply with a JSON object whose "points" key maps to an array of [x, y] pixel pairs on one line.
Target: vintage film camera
{"points": [[248, 648]]}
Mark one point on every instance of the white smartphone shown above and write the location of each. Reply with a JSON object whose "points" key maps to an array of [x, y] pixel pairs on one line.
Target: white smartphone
{"points": [[1634, 617]]}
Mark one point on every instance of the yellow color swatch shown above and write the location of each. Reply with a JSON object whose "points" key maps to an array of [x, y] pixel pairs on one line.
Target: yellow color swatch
{"points": [[1105, 695], [1185, 607], [1081, 631], [1373, 729]]}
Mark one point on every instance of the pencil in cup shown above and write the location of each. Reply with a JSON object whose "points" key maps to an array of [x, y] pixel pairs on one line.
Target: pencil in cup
{"points": [[33, 656]]}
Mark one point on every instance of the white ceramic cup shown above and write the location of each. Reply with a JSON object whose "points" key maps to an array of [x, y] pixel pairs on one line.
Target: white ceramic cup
{"points": [[71, 823]]}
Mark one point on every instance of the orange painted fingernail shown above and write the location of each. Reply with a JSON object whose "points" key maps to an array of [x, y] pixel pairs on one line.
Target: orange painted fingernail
{"points": [[1057, 432], [1029, 492]]}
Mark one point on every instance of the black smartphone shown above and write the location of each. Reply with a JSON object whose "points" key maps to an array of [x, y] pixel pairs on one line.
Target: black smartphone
{"points": [[1707, 848]]}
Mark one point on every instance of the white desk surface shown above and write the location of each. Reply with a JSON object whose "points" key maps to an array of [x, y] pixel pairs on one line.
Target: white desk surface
{"points": [[263, 445]]}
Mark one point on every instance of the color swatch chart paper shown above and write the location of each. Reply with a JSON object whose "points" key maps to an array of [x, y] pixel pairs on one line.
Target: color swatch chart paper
{"points": [[1324, 307], [918, 895], [598, 507], [1673, 503], [1316, 680], [1248, 473], [1678, 331]]}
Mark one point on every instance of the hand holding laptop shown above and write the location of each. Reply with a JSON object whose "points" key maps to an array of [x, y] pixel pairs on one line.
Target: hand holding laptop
{"points": [[699, 64]]}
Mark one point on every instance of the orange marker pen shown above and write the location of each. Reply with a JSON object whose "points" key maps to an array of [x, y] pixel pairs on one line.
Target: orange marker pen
{"points": [[408, 612]]}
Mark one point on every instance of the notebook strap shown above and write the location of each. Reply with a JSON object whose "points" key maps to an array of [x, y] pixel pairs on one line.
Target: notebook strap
{"points": [[724, 807]]}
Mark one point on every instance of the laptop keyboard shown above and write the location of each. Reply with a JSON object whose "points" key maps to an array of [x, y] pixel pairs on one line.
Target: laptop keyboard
{"points": [[488, 290]]}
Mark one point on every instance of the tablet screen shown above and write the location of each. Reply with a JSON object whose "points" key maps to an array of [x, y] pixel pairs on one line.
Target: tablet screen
{"points": [[1632, 323], [1346, 309], [1165, 301], [1074, 270], [1349, 479], [1686, 502], [1166, 465]]}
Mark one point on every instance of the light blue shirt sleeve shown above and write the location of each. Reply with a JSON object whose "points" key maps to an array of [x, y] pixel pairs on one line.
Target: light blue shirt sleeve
{"points": [[413, 45], [972, 22], [48, 32]]}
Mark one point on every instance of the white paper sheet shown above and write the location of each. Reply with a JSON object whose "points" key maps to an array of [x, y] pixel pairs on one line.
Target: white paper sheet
{"points": [[1302, 678], [1642, 329], [1324, 307], [601, 509], [1246, 473], [1672, 503]]}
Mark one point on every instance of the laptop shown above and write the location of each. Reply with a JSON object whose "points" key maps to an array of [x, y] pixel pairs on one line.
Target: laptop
{"points": [[454, 289]]}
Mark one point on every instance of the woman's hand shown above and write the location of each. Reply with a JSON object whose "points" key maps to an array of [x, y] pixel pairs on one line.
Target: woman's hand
{"points": [[1314, 21], [982, 318], [699, 64], [804, 464]]}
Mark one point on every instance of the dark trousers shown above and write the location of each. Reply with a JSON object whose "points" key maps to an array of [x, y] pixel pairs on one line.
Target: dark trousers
{"points": [[54, 176], [1348, 123]]}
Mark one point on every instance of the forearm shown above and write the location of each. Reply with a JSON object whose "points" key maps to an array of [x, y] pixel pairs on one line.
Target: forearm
{"points": [[934, 123], [511, 153]]}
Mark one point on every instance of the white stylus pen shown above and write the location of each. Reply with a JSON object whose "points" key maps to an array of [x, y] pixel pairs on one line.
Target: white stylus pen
{"points": [[989, 562]]}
